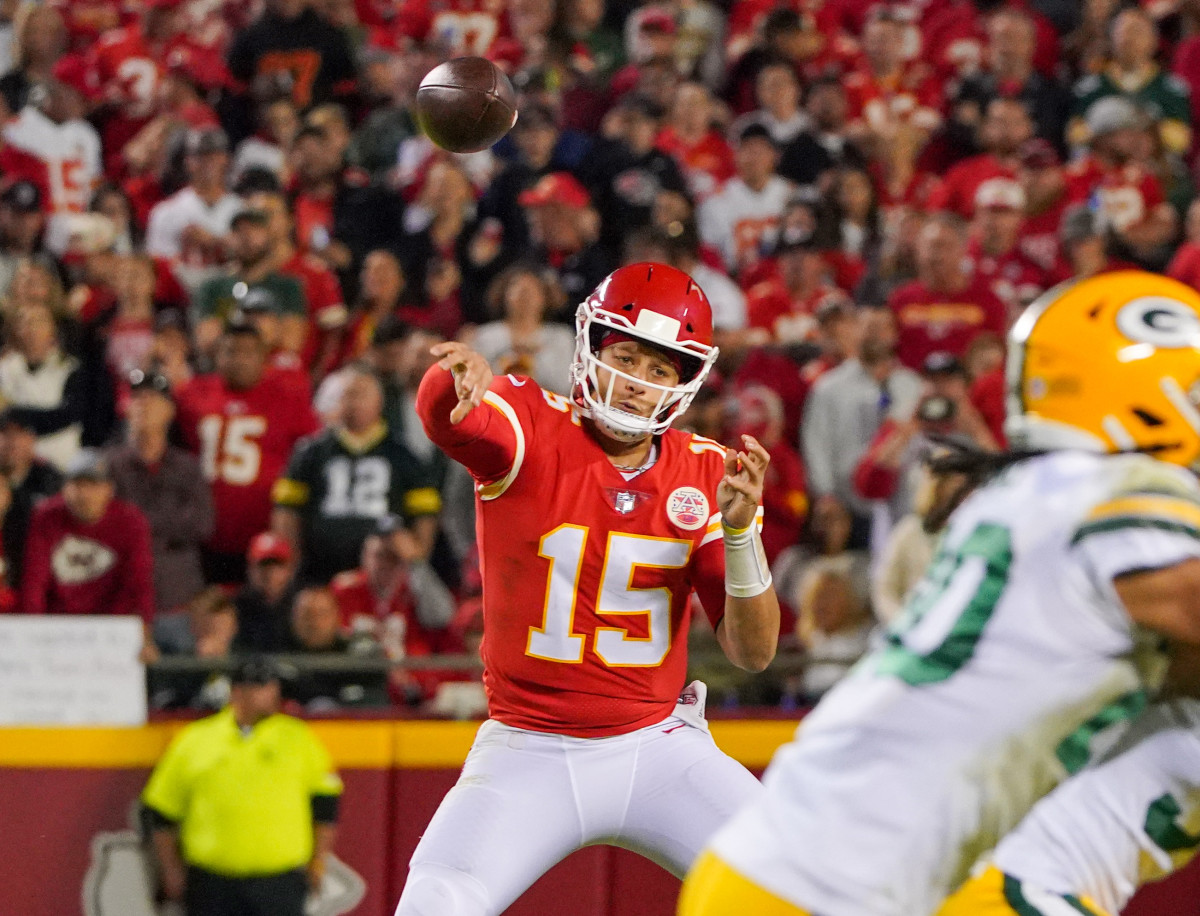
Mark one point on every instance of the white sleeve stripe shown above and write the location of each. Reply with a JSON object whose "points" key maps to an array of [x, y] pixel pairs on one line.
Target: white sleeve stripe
{"points": [[493, 490]]}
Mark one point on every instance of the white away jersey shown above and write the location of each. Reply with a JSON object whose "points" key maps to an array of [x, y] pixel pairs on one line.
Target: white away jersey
{"points": [[1012, 663], [70, 150], [1131, 819]]}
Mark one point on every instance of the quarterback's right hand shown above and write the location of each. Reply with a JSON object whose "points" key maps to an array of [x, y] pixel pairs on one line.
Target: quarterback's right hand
{"points": [[472, 375]]}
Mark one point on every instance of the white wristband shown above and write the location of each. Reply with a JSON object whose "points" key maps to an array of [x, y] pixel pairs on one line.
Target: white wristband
{"points": [[747, 572]]}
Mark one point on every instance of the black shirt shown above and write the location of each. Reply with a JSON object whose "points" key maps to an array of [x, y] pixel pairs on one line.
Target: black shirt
{"points": [[317, 56]]}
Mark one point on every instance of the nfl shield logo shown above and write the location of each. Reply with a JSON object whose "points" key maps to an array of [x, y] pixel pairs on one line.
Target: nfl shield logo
{"points": [[624, 502]]}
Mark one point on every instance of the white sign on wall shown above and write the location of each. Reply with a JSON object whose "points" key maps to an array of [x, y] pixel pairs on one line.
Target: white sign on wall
{"points": [[67, 670]]}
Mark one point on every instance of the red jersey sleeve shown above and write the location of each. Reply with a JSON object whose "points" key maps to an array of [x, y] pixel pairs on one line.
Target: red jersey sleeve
{"points": [[489, 441]]}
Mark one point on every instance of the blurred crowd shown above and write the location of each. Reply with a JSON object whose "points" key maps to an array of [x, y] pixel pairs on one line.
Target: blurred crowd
{"points": [[225, 250]]}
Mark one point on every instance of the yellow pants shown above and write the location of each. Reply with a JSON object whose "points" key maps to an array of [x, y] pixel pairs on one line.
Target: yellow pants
{"points": [[994, 893], [713, 888]]}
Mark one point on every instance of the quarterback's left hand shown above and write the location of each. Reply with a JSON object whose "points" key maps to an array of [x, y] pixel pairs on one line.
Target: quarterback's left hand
{"points": [[740, 491]]}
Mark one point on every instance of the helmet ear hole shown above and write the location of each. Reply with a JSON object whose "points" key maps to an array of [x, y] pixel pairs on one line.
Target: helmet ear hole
{"points": [[1147, 417]]}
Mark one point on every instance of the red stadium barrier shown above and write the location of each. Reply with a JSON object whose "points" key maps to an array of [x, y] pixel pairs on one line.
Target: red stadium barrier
{"points": [[61, 789]]}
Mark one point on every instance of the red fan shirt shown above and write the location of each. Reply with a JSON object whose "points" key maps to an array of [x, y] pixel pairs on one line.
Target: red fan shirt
{"points": [[956, 192], [244, 440], [587, 577], [1012, 277], [930, 321]]}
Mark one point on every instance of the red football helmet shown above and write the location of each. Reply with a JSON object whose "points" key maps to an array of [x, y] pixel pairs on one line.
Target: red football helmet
{"points": [[660, 306]]}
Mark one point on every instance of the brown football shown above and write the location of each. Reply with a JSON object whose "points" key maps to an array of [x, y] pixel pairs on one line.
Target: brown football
{"points": [[466, 104]]}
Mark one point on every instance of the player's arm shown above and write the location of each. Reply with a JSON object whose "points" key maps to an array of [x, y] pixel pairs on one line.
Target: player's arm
{"points": [[483, 440], [749, 631], [1165, 600]]}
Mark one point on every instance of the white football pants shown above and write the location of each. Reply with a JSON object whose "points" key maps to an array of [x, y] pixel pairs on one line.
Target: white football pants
{"points": [[526, 800]]}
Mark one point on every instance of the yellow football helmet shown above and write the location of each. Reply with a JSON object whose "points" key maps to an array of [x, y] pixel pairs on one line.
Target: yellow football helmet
{"points": [[1111, 363]]}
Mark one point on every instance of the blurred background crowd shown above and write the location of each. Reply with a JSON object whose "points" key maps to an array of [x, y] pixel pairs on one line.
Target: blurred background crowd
{"points": [[225, 250]]}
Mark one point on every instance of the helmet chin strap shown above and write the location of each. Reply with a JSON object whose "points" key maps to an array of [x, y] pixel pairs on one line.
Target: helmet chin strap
{"points": [[609, 427]]}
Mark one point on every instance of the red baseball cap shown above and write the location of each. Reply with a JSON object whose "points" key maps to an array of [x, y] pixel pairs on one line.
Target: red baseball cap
{"points": [[658, 20], [73, 71], [1000, 194], [556, 188], [268, 546]]}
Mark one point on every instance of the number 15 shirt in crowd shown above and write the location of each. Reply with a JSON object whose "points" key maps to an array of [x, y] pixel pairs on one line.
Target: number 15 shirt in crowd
{"points": [[587, 577], [244, 440]]}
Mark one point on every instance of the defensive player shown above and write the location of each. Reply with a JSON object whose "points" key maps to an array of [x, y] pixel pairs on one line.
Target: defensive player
{"points": [[1087, 846], [1021, 642], [596, 523]]}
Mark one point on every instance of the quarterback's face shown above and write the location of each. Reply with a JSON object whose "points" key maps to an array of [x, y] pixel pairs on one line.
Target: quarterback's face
{"points": [[635, 362]]}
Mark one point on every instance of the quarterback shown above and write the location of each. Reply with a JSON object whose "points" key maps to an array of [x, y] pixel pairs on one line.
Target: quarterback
{"points": [[596, 523], [1088, 845], [1030, 641]]}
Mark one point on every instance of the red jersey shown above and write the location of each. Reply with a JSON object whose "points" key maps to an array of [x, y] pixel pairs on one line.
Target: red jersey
{"points": [[244, 440], [460, 27], [913, 97], [1126, 195], [956, 192], [88, 20], [706, 164], [1185, 266], [930, 322], [1039, 234], [1013, 278], [76, 568], [789, 318], [327, 312], [587, 577]]}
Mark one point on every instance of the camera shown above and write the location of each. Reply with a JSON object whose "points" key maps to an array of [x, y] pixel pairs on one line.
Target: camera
{"points": [[937, 409]]}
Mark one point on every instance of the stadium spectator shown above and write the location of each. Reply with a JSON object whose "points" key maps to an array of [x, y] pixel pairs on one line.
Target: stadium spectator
{"points": [[833, 622], [339, 214], [204, 629], [785, 35], [994, 246], [232, 830], [29, 479], [1044, 182], [945, 306], [1185, 265], [264, 603], [1006, 127], [825, 144], [785, 305], [291, 40], [269, 148], [563, 232], [37, 375], [189, 227], [253, 270], [845, 409], [1133, 75], [242, 422], [88, 552], [683, 251], [327, 314], [166, 484], [777, 94], [1009, 72], [22, 222], [692, 140], [382, 286], [1116, 179], [520, 341], [41, 39], [626, 172], [1085, 242], [741, 220], [316, 629], [396, 599], [340, 482], [52, 128]]}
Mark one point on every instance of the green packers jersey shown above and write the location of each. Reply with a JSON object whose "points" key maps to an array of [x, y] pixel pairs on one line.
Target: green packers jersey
{"points": [[342, 493]]}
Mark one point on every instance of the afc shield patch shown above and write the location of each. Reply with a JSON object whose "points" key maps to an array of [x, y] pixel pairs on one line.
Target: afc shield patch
{"points": [[687, 508]]}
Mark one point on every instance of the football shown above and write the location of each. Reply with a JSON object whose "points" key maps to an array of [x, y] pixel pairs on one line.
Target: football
{"points": [[466, 104]]}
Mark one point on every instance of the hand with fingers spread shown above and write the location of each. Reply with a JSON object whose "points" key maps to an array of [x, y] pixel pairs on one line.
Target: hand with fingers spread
{"points": [[740, 492], [472, 375]]}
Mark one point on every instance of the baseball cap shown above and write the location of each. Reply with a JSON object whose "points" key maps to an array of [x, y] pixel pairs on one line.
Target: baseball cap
{"points": [[1110, 114], [88, 464], [204, 140], [942, 363], [23, 196], [254, 669], [657, 20], [1038, 154], [269, 547], [556, 188], [1000, 194], [73, 72], [141, 380], [251, 215]]}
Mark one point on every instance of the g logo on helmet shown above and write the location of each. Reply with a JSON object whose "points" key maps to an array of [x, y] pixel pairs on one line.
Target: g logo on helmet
{"points": [[1161, 322]]}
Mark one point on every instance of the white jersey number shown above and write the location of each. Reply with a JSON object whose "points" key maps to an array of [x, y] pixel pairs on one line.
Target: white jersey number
{"points": [[230, 449], [556, 640]]}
